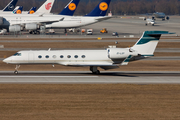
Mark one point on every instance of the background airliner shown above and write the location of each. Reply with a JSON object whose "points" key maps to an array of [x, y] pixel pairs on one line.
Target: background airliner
{"points": [[109, 58], [16, 23], [160, 15], [10, 6]]}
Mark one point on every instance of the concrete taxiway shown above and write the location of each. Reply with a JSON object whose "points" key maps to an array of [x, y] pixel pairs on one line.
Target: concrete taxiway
{"points": [[85, 77]]}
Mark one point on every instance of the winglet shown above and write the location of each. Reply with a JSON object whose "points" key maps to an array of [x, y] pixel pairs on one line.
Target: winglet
{"points": [[70, 8], [100, 9], [11, 6]]}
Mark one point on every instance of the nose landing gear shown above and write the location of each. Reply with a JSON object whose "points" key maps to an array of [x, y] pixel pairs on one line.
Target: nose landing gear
{"points": [[16, 69]]}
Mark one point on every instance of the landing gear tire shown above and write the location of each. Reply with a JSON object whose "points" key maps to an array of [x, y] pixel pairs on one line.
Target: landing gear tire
{"points": [[16, 69], [94, 70], [16, 72], [97, 72], [30, 32]]}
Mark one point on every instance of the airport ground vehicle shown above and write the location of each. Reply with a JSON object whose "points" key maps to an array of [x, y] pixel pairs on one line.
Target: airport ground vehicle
{"points": [[104, 30], [89, 31], [114, 34]]}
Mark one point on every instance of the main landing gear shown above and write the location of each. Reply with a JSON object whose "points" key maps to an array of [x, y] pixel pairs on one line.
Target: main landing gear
{"points": [[94, 70], [16, 69]]}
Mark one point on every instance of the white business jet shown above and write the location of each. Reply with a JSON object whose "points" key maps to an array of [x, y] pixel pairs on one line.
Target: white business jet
{"points": [[109, 58]]}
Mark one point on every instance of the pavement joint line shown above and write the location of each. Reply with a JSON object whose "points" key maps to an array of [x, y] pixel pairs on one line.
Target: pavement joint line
{"points": [[49, 76]]}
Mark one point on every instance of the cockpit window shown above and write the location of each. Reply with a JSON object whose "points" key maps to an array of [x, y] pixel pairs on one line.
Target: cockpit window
{"points": [[17, 54]]}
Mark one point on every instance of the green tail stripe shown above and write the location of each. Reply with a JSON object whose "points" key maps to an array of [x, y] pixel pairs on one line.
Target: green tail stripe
{"points": [[151, 36], [128, 58]]}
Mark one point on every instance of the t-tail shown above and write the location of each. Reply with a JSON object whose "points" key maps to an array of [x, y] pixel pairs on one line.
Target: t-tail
{"points": [[146, 45], [11, 6], [70, 8], [46, 7], [18, 10], [32, 10], [100, 9]]}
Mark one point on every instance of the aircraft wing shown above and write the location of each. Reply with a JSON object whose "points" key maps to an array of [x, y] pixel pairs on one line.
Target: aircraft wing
{"points": [[41, 22], [86, 64], [50, 22], [105, 66], [103, 18]]}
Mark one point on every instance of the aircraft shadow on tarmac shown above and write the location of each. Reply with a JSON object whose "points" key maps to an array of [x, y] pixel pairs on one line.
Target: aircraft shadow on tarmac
{"points": [[120, 74]]}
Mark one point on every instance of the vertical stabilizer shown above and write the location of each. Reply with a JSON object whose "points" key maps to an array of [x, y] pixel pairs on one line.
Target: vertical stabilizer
{"points": [[32, 10], [70, 8], [146, 45], [18, 10], [100, 9], [46, 7], [11, 6]]}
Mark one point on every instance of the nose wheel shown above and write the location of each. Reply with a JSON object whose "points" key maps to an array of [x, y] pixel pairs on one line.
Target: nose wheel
{"points": [[16, 69], [16, 72]]}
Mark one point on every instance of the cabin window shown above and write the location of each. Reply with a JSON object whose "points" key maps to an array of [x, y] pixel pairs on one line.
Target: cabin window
{"points": [[76, 56], [54, 56], [47, 56], [39, 56], [17, 54], [68, 56], [61, 56], [83, 56]]}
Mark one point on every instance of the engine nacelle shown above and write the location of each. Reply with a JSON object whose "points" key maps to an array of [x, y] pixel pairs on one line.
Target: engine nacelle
{"points": [[121, 53], [1, 21], [118, 53], [31, 26], [167, 18], [14, 28]]}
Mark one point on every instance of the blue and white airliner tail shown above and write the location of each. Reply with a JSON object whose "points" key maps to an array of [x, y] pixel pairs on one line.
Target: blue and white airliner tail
{"points": [[32, 10], [18, 10], [100, 9], [70, 8], [10, 6]]}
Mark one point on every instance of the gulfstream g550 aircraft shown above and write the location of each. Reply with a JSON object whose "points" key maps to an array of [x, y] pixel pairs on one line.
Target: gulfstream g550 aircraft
{"points": [[109, 58]]}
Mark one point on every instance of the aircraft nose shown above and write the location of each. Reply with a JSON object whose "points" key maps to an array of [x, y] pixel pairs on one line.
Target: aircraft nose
{"points": [[7, 60]]}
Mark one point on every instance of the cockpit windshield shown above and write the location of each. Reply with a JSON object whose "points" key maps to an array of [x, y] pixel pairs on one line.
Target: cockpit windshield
{"points": [[17, 54]]}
